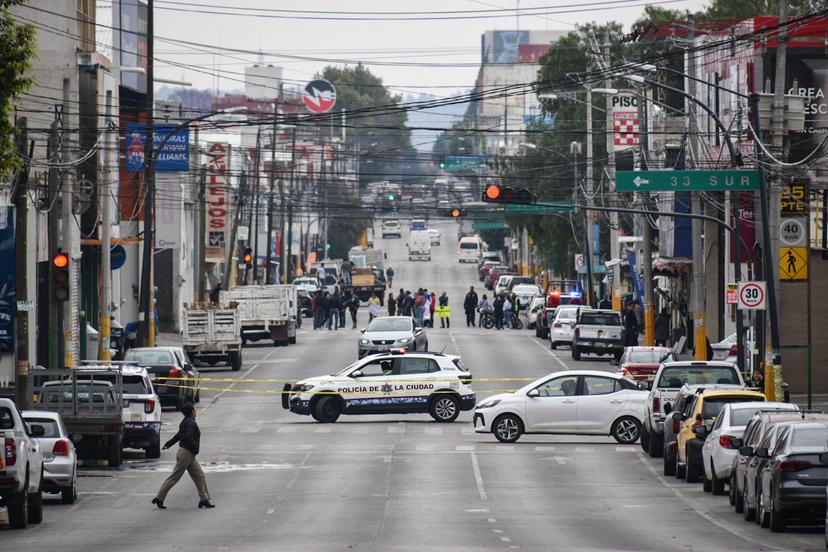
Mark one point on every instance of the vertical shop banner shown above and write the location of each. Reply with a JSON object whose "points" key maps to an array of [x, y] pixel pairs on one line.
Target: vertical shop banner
{"points": [[625, 120], [639, 288], [218, 209], [747, 230], [8, 278]]}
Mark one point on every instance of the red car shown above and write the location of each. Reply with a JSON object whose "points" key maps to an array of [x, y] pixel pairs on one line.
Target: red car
{"points": [[641, 363], [495, 273]]}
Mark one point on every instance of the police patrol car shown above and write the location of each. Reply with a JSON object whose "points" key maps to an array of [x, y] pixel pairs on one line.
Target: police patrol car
{"points": [[388, 383]]}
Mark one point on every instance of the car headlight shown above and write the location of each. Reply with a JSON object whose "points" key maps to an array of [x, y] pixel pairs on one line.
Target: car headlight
{"points": [[404, 340], [303, 387], [364, 341], [488, 404]]}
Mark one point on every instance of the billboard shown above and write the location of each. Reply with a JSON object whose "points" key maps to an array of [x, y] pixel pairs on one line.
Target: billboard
{"points": [[625, 120], [130, 26], [506, 46], [218, 205], [174, 157], [8, 277]]}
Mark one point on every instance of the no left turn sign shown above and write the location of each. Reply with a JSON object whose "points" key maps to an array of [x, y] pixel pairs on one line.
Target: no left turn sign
{"points": [[751, 295]]}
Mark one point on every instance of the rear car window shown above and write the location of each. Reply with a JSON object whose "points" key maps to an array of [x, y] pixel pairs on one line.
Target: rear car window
{"points": [[50, 427], [6, 419], [742, 416], [676, 376], [810, 437], [712, 407], [649, 357], [600, 319], [149, 357], [469, 245], [134, 385]]}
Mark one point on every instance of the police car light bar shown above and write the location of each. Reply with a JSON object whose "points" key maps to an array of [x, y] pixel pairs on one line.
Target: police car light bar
{"points": [[397, 351]]}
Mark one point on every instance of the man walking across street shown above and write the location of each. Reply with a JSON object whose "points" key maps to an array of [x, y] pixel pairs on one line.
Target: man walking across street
{"points": [[189, 442], [469, 306], [389, 276]]}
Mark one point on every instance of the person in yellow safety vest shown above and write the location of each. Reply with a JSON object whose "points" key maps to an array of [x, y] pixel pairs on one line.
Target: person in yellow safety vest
{"points": [[443, 311]]}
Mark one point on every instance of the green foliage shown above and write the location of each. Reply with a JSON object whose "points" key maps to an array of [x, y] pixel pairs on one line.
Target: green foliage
{"points": [[17, 48]]}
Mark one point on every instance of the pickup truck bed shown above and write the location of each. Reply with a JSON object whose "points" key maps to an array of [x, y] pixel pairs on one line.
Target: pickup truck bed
{"points": [[599, 332]]}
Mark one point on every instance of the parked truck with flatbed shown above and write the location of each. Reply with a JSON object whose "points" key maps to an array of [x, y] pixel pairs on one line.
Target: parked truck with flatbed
{"points": [[212, 335], [265, 312]]}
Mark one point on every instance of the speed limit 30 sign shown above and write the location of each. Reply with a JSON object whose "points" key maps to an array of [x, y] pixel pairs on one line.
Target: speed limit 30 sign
{"points": [[751, 296]]}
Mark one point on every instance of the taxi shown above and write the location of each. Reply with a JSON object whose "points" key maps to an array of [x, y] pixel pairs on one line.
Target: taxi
{"points": [[396, 382]]}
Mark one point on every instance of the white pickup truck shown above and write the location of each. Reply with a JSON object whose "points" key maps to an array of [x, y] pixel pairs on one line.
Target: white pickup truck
{"points": [[213, 335], [598, 332], [21, 468]]}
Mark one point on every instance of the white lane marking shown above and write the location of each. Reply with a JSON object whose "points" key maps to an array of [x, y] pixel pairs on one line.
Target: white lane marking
{"points": [[251, 428], [271, 512], [492, 520], [243, 376], [386, 459], [279, 361], [322, 430], [454, 342], [481, 490], [497, 530], [434, 430], [425, 447], [467, 431], [505, 539], [286, 430], [304, 447], [544, 449], [464, 448], [701, 512], [396, 429], [508, 448], [625, 449], [477, 510], [549, 352]]}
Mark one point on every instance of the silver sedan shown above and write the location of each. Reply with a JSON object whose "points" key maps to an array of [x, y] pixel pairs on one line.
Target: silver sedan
{"points": [[392, 332], [60, 460]]}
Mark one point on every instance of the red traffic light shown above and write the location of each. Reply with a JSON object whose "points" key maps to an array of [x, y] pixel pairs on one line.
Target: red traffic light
{"points": [[493, 192], [455, 212], [60, 260]]}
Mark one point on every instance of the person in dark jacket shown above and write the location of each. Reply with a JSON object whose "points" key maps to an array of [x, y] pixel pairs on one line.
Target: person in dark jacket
{"points": [[469, 306], [630, 326], [391, 302], [400, 301], [662, 328], [215, 294], [498, 311], [189, 442], [353, 307]]}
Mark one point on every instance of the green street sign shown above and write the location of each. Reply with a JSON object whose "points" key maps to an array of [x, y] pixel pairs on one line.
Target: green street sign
{"points": [[538, 209], [489, 225], [684, 181]]}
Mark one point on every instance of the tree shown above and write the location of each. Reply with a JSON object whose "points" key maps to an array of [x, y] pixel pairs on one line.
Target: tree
{"points": [[17, 48]]}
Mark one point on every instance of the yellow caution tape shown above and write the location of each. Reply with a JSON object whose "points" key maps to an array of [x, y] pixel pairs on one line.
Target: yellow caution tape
{"points": [[268, 380], [282, 392]]}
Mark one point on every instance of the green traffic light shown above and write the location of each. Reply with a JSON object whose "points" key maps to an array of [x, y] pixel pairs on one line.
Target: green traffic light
{"points": [[390, 197]]}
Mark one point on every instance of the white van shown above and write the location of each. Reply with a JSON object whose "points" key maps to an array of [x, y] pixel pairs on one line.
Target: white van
{"points": [[470, 249], [419, 245]]}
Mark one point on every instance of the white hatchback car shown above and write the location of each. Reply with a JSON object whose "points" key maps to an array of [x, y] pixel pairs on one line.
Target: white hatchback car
{"points": [[434, 234], [576, 402], [719, 448], [60, 459], [562, 330]]}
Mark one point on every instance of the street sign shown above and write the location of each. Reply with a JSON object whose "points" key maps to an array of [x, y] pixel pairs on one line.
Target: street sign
{"points": [[117, 257], [752, 296], [793, 263], [794, 200], [489, 225], [580, 263], [694, 181], [792, 232], [731, 291], [319, 96], [464, 162], [539, 209]]}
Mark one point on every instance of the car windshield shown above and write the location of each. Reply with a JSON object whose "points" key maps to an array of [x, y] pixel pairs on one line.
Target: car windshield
{"points": [[149, 357], [390, 325], [673, 377], [600, 319], [810, 437], [469, 245], [134, 385], [712, 407], [51, 429], [526, 290], [650, 357], [566, 314]]}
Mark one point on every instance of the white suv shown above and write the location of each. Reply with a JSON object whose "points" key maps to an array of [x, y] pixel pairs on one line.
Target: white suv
{"points": [[391, 228], [386, 383], [563, 327]]}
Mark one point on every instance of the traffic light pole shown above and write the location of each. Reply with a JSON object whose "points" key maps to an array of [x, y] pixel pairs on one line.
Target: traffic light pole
{"points": [[23, 395]]}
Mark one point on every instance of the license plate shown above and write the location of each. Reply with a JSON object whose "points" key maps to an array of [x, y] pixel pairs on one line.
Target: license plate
{"points": [[136, 417]]}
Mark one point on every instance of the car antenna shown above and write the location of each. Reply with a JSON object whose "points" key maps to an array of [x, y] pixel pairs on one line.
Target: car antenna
{"points": [[444, 348]]}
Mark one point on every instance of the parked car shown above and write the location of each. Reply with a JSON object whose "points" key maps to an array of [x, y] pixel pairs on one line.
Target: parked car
{"points": [[534, 312], [695, 423], [309, 283], [583, 402], [171, 363], [60, 459], [725, 349], [664, 389], [391, 228], [502, 284], [435, 236], [792, 480], [562, 328], [525, 293], [720, 448], [485, 267], [22, 468], [598, 332], [759, 432], [495, 273], [641, 363]]}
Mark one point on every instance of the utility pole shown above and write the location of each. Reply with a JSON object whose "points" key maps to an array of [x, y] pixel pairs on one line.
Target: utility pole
{"points": [[615, 251], [255, 203], [591, 225], [697, 285], [23, 395], [575, 151], [105, 203], [146, 316], [225, 281], [271, 177], [67, 193], [201, 222], [286, 236], [55, 320], [647, 233]]}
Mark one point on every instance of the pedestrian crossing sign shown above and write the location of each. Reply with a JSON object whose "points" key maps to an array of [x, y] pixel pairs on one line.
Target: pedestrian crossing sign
{"points": [[793, 263]]}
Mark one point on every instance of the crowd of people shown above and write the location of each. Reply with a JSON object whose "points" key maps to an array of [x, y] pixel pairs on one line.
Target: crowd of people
{"points": [[422, 305], [329, 309], [505, 307]]}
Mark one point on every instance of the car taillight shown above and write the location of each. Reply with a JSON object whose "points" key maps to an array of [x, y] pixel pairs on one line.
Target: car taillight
{"points": [[149, 406], [577, 332], [726, 441], [175, 372], [656, 404], [11, 451], [734, 350], [61, 448], [794, 465]]}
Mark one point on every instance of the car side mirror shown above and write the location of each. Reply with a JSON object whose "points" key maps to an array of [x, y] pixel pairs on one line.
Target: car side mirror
{"points": [[668, 408], [533, 393], [700, 431], [762, 452], [746, 451], [356, 374], [643, 385], [37, 430]]}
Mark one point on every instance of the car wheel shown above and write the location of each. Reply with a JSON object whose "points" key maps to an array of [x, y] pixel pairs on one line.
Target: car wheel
{"points": [[669, 462], [69, 494], [680, 471], [17, 508], [656, 445], [717, 486], [35, 506], [553, 345], [576, 354], [626, 430], [692, 472], [114, 452], [645, 440], [507, 428], [235, 359], [154, 450], [327, 410], [444, 408], [761, 513], [778, 523], [748, 512]]}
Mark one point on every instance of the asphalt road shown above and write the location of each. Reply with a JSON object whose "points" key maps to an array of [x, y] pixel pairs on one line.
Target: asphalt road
{"points": [[401, 482]]}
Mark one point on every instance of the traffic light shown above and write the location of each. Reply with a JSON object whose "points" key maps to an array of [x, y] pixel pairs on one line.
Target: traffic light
{"points": [[454, 212], [60, 276], [391, 197], [442, 164], [248, 257], [504, 194]]}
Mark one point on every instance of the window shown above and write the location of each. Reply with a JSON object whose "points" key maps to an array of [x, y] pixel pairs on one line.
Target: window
{"points": [[559, 387], [378, 368], [469, 245], [595, 385], [712, 407], [599, 319], [782, 441], [6, 419], [624, 383], [401, 324], [134, 385], [717, 424], [416, 366], [650, 357], [676, 376], [768, 439], [809, 437], [50, 427], [149, 357]]}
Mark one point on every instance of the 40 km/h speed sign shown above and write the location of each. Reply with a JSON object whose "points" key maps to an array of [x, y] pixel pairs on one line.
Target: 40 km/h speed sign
{"points": [[751, 296]]}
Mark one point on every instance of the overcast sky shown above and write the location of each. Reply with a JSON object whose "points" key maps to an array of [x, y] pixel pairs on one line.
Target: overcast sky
{"points": [[455, 43]]}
